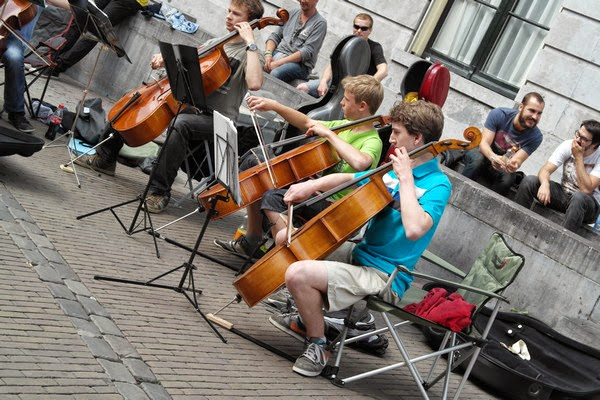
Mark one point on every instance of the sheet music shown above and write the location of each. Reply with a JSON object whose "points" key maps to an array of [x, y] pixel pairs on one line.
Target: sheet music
{"points": [[226, 150]]}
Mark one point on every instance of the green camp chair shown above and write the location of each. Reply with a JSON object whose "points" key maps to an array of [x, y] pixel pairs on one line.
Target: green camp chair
{"points": [[494, 269]]}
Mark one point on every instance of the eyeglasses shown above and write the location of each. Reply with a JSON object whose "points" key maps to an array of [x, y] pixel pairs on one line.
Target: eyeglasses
{"points": [[362, 28], [583, 139]]}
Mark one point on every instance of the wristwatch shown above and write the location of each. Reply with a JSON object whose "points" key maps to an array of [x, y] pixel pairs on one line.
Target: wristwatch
{"points": [[251, 47]]}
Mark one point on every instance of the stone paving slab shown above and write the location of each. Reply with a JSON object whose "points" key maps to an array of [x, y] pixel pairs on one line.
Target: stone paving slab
{"points": [[67, 335]]}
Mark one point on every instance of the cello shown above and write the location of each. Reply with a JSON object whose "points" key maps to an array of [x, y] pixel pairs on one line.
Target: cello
{"points": [[290, 167], [320, 236], [147, 111]]}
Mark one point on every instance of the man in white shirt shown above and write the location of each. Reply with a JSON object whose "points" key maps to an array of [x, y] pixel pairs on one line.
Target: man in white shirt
{"points": [[578, 194]]}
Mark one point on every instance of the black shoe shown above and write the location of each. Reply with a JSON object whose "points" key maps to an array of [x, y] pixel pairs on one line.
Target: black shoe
{"points": [[95, 163], [19, 121], [55, 72]]}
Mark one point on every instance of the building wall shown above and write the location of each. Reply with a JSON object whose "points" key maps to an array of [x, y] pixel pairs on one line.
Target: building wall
{"points": [[566, 70]]}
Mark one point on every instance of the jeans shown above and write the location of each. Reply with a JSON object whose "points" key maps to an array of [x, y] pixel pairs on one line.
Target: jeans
{"points": [[313, 86], [188, 128], [14, 73], [578, 207], [290, 71], [75, 48], [477, 166]]}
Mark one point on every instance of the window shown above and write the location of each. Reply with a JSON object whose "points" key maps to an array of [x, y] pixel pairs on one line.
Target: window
{"points": [[492, 42]]}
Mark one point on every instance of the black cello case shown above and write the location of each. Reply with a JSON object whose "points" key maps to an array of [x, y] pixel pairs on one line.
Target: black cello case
{"points": [[350, 57], [560, 368], [14, 142]]}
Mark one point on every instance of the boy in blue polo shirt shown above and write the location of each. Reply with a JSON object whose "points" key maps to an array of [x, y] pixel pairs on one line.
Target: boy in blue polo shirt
{"points": [[397, 235]]}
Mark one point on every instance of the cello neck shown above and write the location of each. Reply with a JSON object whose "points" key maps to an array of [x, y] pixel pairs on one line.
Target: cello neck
{"points": [[257, 23], [472, 134]]}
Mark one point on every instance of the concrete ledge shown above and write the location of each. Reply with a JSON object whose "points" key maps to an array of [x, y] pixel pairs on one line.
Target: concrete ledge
{"points": [[139, 36]]}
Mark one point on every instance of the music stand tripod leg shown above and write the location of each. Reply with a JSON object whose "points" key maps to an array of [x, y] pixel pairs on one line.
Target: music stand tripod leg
{"points": [[188, 274]]}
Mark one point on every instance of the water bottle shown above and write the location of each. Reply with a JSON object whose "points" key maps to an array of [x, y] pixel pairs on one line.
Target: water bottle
{"points": [[55, 121], [509, 153]]}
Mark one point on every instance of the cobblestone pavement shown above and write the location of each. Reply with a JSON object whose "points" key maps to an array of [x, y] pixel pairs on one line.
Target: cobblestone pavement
{"points": [[66, 335]]}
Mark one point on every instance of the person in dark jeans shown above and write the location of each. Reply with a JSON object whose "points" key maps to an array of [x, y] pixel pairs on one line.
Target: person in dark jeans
{"points": [[12, 55], [76, 47], [246, 74], [504, 129], [578, 193]]}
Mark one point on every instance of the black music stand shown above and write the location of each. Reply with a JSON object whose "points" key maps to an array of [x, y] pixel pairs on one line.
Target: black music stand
{"points": [[183, 71], [185, 78], [225, 156], [93, 24]]}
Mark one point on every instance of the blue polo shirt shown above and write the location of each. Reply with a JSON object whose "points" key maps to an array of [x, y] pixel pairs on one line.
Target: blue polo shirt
{"points": [[385, 244]]}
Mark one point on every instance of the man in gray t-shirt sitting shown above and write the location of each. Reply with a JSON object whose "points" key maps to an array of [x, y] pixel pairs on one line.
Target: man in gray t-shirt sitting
{"points": [[292, 50]]}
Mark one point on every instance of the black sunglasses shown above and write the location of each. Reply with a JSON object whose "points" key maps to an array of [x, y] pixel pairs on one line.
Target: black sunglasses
{"points": [[362, 28]]}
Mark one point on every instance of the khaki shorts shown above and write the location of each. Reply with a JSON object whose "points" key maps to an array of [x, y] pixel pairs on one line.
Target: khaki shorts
{"points": [[347, 284]]}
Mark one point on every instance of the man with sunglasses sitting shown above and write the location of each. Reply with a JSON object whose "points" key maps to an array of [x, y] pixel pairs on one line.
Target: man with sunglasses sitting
{"points": [[578, 194], [378, 68]]}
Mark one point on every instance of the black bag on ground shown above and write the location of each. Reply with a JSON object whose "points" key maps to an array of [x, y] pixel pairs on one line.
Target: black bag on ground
{"points": [[91, 121]]}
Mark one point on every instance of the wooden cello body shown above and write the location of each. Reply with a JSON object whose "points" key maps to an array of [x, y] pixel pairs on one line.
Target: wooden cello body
{"points": [[16, 14], [317, 239], [153, 105], [330, 228], [290, 167]]}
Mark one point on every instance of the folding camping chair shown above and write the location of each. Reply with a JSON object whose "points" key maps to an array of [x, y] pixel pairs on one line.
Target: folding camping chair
{"points": [[39, 68], [44, 67], [494, 269]]}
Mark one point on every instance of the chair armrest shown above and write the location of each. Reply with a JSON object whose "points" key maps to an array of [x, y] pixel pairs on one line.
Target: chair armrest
{"points": [[402, 268], [388, 284], [440, 262]]}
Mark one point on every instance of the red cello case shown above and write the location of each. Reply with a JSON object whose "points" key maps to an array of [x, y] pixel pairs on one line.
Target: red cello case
{"points": [[431, 81]]}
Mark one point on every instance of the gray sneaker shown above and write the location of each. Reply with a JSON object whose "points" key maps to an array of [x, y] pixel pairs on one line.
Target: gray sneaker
{"points": [[156, 203], [290, 324], [95, 163], [312, 361], [240, 247]]}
